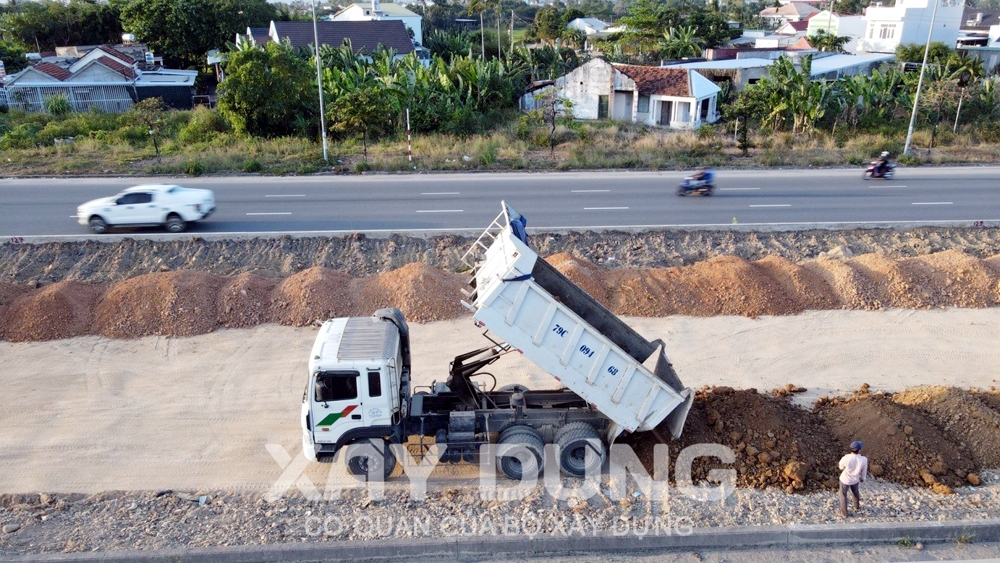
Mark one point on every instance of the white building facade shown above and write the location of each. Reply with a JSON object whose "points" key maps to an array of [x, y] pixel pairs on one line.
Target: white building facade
{"points": [[909, 22], [379, 11]]}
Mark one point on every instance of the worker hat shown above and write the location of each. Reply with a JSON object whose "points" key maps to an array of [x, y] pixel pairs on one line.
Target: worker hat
{"points": [[857, 445]]}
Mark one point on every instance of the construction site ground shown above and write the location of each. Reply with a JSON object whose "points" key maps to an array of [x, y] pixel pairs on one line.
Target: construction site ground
{"points": [[149, 408]]}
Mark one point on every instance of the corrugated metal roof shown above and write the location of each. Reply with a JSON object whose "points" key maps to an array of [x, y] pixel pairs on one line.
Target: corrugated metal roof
{"points": [[365, 36]]}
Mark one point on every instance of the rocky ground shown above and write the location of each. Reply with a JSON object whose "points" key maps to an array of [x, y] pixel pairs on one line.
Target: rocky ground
{"points": [[940, 443]]}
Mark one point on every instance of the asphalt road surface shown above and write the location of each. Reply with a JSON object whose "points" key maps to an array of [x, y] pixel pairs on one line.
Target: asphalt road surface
{"points": [[46, 207]]}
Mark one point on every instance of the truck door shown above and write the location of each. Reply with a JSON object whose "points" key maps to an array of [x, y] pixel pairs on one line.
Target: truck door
{"points": [[337, 405], [378, 409]]}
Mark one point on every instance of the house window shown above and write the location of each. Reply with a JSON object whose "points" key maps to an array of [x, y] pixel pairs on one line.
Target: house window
{"points": [[887, 31], [643, 106], [602, 107]]}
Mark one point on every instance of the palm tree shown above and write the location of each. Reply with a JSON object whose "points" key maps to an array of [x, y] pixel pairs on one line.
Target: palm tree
{"points": [[681, 42]]}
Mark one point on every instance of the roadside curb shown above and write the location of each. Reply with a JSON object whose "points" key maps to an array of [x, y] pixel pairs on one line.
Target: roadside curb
{"points": [[794, 535]]}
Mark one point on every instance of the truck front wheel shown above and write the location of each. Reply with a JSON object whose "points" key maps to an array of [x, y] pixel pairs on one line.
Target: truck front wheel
{"points": [[370, 460], [175, 224], [581, 450], [520, 453]]}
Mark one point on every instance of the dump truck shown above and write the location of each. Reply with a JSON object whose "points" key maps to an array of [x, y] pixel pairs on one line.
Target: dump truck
{"points": [[359, 398]]}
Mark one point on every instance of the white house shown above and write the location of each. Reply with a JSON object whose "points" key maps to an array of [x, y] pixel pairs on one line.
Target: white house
{"points": [[103, 78], [388, 11], [790, 12], [840, 25], [669, 97], [908, 22], [591, 27]]}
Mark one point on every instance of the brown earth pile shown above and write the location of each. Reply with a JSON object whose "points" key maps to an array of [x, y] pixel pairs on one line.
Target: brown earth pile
{"points": [[187, 302], [963, 415], [777, 444], [902, 443]]}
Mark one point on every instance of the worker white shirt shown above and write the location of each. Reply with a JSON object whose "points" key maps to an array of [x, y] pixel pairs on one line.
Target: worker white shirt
{"points": [[855, 469]]}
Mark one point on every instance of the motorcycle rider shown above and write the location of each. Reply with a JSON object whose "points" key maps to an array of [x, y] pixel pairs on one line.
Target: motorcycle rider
{"points": [[882, 164], [703, 174]]}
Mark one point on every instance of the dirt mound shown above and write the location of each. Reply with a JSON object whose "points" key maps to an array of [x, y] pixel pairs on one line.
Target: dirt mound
{"points": [[777, 444], [315, 294], [901, 442], [584, 273], [9, 292], [953, 278], [890, 284], [181, 303], [961, 414], [61, 310], [245, 300], [422, 293], [803, 289], [851, 287]]}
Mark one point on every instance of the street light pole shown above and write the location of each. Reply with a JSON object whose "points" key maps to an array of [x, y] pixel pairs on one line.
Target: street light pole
{"points": [[920, 81], [319, 83]]}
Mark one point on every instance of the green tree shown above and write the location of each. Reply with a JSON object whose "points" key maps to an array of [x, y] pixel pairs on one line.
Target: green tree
{"points": [[914, 52], [151, 114], [13, 57], [681, 42], [265, 89], [829, 42], [362, 111], [548, 25], [184, 30], [49, 24]]}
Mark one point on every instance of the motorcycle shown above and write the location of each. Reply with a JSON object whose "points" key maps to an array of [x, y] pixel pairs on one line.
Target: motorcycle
{"points": [[692, 186], [873, 172]]}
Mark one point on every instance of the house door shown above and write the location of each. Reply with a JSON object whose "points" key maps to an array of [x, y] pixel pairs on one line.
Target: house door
{"points": [[666, 108], [602, 107]]}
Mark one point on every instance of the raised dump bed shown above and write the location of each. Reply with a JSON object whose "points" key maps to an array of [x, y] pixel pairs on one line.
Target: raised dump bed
{"points": [[526, 302]]}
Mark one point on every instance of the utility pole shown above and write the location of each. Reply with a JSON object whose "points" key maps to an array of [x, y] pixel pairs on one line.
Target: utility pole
{"points": [[482, 35], [319, 83], [920, 81]]}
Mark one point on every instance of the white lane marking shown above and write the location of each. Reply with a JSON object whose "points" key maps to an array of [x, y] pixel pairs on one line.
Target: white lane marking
{"points": [[440, 211], [286, 195], [771, 205], [588, 191], [931, 203], [883, 187], [439, 193], [602, 208], [736, 189], [275, 213]]}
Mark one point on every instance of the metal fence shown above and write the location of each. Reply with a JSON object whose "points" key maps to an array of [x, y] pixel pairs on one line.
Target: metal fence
{"points": [[114, 98]]}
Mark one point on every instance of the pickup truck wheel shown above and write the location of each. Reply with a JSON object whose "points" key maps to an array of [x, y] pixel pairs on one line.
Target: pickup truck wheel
{"points": [[370, 460], [581, 450], [97, 225], [520, 454], [175, 224]]}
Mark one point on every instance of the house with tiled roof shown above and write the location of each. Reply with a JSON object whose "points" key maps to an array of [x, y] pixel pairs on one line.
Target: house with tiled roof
{"points": [[666, 97], [101, 77], [790, 12]]}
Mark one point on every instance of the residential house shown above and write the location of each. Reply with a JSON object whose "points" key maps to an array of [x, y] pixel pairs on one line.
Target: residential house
{"points": [[365, 36], [741, 72], [668, 97], [976, 23], [793, 28], [989, 52], [790, 12], [591, 27], [101, 77], [377, 11], [909, 21], [841, 25]]}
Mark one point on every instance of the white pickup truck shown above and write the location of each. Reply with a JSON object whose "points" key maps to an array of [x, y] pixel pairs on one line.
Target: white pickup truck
{"points": [[167, 205]]}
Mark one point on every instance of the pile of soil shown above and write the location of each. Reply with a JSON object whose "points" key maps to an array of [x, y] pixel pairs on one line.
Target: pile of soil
{"points": [[902, 443], [187, 302], [777, 443], [961, 414]]}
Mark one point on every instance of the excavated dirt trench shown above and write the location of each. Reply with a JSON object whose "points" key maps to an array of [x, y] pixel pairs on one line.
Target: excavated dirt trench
{"points": [[932, 436]]}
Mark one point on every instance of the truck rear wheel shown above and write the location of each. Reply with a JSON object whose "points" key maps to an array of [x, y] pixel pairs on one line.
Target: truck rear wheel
{"points": [[581, 450], [520, 453], [370, 460]]}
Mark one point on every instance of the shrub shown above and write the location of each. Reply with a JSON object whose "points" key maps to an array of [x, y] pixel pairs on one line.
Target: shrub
{"points": [[308, 169], [58, 105], [361, 166], [252, 166], [203, 126], [194, 168], [23, 136]]}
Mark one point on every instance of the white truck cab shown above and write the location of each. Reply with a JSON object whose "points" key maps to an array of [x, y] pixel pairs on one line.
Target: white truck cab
{"points": [[356, 384]]}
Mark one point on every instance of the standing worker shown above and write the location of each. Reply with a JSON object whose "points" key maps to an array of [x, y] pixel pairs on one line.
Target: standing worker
{"points": [[854, 468]]}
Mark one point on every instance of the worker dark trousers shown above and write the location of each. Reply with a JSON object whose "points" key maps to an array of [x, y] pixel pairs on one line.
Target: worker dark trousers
{"points": [[855, 490]]}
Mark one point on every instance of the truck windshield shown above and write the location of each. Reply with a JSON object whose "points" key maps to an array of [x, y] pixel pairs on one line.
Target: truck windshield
{"points": [[336, 386]]}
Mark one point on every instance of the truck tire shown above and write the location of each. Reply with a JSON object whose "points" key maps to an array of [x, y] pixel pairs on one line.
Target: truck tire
{"points": [[513, 388], [513, 427], [370, 460], [97, 225], [175, 224], [520, 453], [580, 449]]}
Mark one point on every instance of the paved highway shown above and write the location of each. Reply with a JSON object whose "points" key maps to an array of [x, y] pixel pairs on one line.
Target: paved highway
{"points": [[575, 200]]}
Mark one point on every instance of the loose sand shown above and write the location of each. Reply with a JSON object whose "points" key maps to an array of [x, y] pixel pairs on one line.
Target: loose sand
{"points": [[91, 413]]}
